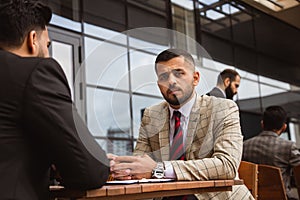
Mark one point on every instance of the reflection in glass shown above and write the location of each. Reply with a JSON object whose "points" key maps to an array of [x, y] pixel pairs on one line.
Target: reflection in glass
{"points": [[143, 73], [187, 4], [248, 89], [63, 53], [65, 23], [107, 110], [214, 15], [208, 80], [274, 82], [104, 33], [106, 64], [139, 104], [267, 90], [183, 22]]}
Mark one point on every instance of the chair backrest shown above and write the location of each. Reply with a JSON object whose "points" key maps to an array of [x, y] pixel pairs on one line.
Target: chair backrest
{"points": [[296, 171], [270, 183], [249, 173]]}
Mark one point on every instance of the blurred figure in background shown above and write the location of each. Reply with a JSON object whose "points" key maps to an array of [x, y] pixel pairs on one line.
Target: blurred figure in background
{"points": [[268, 148], [227, 84]]}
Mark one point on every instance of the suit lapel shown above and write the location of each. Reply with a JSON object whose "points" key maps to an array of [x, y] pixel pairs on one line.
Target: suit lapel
{"points": [[164, 138], [195, 116]]}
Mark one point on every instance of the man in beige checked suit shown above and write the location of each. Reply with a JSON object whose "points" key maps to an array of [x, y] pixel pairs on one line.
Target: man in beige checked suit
{"points": [[212, 137]]}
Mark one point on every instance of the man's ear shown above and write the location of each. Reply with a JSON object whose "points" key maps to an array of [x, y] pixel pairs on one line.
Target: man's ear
{"points": [[196, 78], [32, 42], [226, 82], [283, 128]]}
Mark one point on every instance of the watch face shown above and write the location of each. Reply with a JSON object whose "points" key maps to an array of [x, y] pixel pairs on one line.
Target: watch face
{"points": [[158, 173]]}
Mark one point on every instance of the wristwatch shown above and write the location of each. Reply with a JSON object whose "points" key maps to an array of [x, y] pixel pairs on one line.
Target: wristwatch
{"points": [[158, 171]]}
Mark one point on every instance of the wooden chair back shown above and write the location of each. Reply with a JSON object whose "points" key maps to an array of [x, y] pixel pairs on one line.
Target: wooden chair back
{"points": [[270, 183], [296, 171], [249, 173]]}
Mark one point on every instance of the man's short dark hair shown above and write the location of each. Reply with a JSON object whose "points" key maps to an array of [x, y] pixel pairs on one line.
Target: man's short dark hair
{"points": [[227, 73], [274, 118], [168, 54], [19, 17]]}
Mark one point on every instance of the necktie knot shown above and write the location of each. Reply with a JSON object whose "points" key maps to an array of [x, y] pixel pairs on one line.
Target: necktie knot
{"points": [[177, 115]]}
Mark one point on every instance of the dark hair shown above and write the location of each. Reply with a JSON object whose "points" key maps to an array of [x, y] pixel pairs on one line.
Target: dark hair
{"points": [[19, 17], [227, 73], [173, 53], [274, 118]]}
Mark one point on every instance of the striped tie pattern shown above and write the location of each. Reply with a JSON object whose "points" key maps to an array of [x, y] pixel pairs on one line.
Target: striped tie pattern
{"points": [[177, 149], [177, 152]]}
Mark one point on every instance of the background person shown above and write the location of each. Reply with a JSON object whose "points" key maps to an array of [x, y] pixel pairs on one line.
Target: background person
{"points": [[211, 145], [268, 148], [38, 124], [227, 84]]}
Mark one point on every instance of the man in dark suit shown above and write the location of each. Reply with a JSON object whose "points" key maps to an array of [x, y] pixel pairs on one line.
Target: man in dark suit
{"points": [[268, 148], [39, 126], [227, 84]]}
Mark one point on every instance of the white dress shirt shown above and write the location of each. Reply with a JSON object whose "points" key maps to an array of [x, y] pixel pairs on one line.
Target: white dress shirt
{"points": [[185, 111]]}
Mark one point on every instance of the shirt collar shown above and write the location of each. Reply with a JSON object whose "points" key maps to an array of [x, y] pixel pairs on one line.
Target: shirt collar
{"points": [[185, 110]]}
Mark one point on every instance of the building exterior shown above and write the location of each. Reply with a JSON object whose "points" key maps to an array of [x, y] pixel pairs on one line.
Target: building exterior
{"points": [[108, 47]]}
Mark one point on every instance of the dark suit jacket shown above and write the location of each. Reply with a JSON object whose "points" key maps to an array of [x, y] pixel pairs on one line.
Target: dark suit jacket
{"points": [[268, 148], [216, 92], [40, 127]]}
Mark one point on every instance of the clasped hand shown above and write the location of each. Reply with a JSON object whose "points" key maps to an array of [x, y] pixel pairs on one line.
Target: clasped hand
{"points": [[131, 167]]}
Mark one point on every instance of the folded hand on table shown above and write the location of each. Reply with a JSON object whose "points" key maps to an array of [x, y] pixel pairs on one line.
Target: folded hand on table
{"points": [[131, 167]]}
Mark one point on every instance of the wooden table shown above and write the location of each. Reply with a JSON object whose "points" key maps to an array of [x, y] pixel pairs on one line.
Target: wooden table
{"points": [[146, 190]]}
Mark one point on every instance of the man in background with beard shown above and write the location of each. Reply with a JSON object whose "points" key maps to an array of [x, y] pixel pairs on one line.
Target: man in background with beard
{"points": [[227, 84]]}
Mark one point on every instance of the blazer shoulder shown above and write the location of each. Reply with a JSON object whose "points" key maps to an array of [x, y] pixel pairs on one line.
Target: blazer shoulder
{"points": [[205, 100], [157, 108]]}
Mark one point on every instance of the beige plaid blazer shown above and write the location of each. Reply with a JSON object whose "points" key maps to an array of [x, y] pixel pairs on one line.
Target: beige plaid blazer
{"points": [[213, 144]]}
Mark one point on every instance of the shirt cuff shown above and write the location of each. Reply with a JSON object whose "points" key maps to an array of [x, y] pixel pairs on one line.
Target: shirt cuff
{"points": [[169, 171]]}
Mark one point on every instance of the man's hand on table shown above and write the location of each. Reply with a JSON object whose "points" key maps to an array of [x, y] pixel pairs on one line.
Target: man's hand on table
{"points": [[131, 167]]}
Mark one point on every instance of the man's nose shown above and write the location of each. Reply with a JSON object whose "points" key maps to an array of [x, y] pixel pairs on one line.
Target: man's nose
{"points": [[172, 79]]}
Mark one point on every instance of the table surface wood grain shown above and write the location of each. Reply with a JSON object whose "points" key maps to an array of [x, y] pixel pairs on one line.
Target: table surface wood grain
{"points": [[145, 190]]}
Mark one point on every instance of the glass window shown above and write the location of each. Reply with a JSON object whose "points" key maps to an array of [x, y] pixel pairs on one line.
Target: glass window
{"points": [[107, 110], [106, 64], [208, 80], [248, 89], [103, 33], [151, 39], [186, 4], [247, 75], [146, 13], [139, 103], [65, 23], [63, 53], [109, 14], [279, 84], [183, 22], [267, 90], [65, 8], [143, 75]]}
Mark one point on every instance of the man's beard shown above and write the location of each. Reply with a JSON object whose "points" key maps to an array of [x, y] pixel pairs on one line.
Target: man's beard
{"points": [[229, 93], [178, 101]]}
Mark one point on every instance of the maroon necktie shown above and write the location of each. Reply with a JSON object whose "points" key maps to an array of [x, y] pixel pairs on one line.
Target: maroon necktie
{"points": [[177, 152], [177, 149]]}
